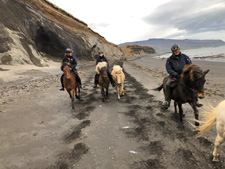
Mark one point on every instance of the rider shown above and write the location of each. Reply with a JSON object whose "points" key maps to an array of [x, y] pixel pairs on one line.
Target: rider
{"points": [[68, 58], [102, 58], [174, 66]]}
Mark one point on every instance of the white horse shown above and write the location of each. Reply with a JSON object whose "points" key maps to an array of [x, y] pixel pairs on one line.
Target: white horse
{"points": [[118, 77], [211, 117]]}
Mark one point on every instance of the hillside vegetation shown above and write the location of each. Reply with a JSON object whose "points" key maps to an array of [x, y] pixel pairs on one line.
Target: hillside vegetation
{"points": [[135, 50]]}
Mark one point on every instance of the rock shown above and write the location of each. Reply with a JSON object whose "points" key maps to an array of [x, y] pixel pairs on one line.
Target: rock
{"points": [[32, 30]]}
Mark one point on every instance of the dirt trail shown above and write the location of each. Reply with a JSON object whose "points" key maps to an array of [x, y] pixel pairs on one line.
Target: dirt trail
{"points": [[39, 130]]}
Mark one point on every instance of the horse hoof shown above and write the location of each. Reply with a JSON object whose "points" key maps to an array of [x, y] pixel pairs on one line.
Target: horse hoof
{"points": [[196, 123], [215, 159]]}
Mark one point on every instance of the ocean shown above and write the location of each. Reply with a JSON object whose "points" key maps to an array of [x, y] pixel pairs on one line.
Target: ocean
{"points": [[216, 54]]}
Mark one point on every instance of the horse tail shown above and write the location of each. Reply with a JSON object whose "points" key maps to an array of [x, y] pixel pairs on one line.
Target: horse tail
{"points": [[158, 88], [209, 120]]}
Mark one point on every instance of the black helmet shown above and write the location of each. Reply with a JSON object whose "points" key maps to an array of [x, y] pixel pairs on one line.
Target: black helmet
{"points": [[175, 47], [68, 50], [100, 52]]}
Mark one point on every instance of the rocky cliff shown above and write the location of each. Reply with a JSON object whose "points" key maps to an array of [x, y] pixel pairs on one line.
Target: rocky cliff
{"points": [[32, 31], [135, 50]]}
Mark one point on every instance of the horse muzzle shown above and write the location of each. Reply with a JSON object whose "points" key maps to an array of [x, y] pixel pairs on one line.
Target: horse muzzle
{"points": [[201, 95]]}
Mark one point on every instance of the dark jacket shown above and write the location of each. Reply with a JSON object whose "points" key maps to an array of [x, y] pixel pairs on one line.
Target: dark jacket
{"points": [[175, 64], [71, 60], [102, 59]]}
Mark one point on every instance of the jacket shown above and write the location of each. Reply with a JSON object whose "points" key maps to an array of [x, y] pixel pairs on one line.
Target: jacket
{"points": [[175, 64], [71, 60], [102, 59]]}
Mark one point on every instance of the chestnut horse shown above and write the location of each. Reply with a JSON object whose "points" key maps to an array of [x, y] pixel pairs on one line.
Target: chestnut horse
{"points": [[118, 77], [103, 80], [70, 83], [188, 86]]}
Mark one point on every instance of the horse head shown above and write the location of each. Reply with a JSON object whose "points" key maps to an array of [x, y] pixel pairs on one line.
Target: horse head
{"points": [[104, 73], [67, 72], [194, 78], [118, 74]]}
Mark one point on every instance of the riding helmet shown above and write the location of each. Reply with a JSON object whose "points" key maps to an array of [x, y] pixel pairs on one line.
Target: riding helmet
{"points": [[175, 47], [100, 52], [68, 50]]}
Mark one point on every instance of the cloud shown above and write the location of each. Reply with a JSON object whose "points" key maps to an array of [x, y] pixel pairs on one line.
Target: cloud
{"points": [[189, 17]]}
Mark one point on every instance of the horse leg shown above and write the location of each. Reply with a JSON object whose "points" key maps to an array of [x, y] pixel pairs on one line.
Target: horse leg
{"points": [[79, 93], [193, 105], [180, 111], [72, 98], [103, 94], [118, 92], [121, 89], [218, 141], [175, 107], [107, 94]]}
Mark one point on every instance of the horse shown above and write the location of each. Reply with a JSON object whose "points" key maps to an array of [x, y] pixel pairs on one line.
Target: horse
{"points": [[118, 77], [70, 83], [188, 86], [103, 80], [212, 116]]}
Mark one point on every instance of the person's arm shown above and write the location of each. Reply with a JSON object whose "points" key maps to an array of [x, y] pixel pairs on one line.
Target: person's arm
{"points": [[187, 60], [106, 62], [96, 61], [170, 70], [74, 63]]}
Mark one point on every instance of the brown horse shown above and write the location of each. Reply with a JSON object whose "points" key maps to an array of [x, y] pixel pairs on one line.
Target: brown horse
{"points": [[70, 83], [188, 86], [103, 80]]}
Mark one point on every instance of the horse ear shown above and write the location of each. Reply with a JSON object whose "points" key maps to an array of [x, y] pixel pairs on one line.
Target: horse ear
{"points": [[206, 71]]}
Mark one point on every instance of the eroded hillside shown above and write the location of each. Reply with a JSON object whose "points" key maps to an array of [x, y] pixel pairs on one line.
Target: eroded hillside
{"points": [[35, 30]]}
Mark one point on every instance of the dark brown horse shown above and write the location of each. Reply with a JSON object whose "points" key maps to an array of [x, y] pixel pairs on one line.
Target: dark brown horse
{"points": [[188, 86], [103, 82], [70, 83]]}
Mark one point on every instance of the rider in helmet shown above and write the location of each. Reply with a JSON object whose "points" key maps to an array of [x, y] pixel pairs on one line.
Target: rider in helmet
{"points": [[68, 58], [102, 58], [174, 66]]}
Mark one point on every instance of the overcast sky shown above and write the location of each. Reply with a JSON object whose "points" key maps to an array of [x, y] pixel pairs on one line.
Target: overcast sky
{"points": [[122, 21]]}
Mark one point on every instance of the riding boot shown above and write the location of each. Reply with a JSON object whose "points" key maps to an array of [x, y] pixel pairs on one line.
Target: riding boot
{"points": [[61, 79], [96, 80], [111, 79]]}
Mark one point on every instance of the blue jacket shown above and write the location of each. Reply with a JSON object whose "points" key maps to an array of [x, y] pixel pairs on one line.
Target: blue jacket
{"points": [[175, 64]]}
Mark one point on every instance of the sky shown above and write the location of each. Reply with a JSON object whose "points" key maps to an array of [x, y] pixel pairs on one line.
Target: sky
{"points": [[122, 21]]}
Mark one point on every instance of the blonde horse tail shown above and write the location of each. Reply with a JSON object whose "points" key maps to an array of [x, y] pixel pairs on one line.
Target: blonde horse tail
{"points": [[209, 120]]}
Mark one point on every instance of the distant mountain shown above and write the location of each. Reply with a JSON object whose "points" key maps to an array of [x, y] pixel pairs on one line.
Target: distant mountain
{"points": [[164, 45]]}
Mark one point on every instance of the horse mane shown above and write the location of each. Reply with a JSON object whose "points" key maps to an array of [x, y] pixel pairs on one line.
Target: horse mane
{"points": [[208, 121], [100, 65], [189, 70], [117, 69]]}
